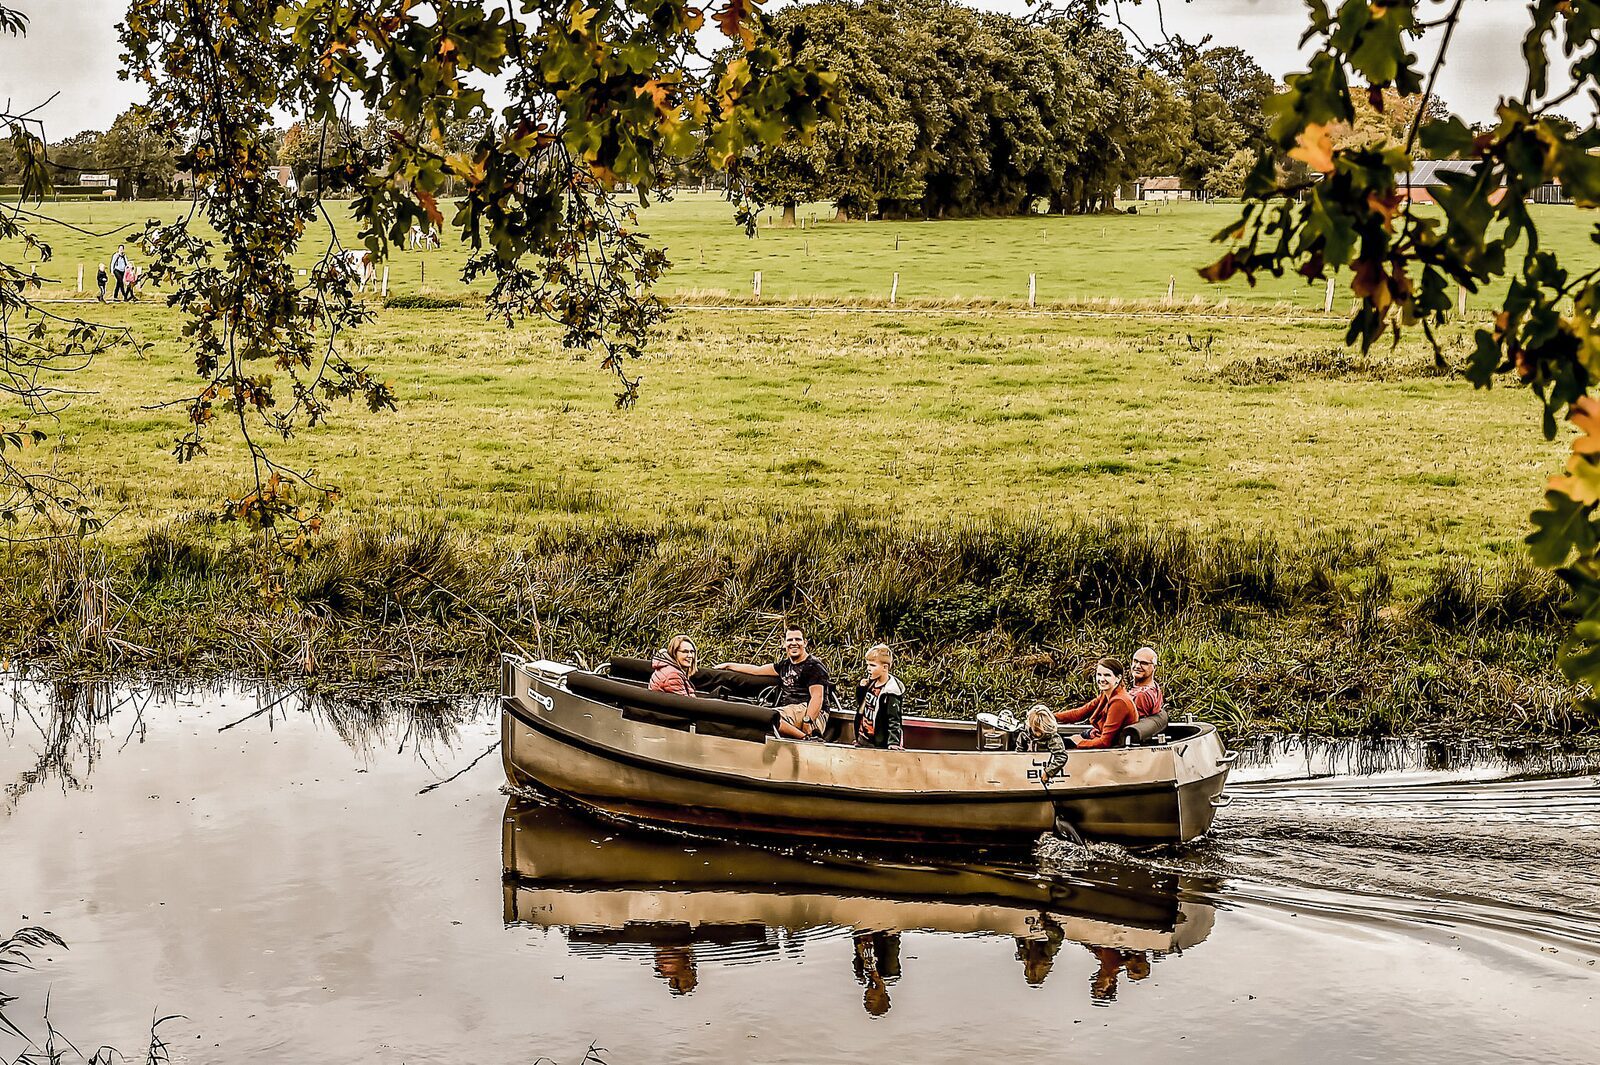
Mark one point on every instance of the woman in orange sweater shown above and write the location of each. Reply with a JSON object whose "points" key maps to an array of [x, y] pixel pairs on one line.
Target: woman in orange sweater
{"points": [[1108, 713]]}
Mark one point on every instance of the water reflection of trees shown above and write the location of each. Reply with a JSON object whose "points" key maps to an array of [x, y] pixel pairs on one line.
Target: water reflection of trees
{"points": [[1368, 756], [58, 730], [677, 905]]}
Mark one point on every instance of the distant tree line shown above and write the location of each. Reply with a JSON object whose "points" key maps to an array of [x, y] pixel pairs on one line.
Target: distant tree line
{"points": [[141, 158], [952, 111]]}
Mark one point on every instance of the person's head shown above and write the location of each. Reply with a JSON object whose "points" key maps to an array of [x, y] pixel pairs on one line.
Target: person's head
{"points": [[879, 661], [682, 651], [1041, 722], [794, 643], [1107, 674], [1143, 665]]}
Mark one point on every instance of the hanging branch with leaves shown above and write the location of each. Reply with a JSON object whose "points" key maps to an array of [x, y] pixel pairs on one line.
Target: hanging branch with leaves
{"points": [[1355, 214], [40, 351], [600, 98]]}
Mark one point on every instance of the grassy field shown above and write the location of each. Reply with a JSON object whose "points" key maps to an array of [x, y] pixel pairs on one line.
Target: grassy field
{"points": [[1075, 259], [1327, 513], [929, 416]]}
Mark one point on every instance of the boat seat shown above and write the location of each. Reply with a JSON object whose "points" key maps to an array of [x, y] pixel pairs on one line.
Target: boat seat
{"points": [[712, 682], [622, 694], [1142, 731]]}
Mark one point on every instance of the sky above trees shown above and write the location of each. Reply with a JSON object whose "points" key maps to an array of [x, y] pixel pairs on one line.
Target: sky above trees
{"points": [[71, 49]]}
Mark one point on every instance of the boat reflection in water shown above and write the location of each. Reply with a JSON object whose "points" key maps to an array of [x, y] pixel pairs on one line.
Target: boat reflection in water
{"points": [[676, 902]]}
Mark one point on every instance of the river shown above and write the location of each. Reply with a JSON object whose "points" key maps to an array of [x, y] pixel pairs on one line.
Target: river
{"points": [[271, 870]]}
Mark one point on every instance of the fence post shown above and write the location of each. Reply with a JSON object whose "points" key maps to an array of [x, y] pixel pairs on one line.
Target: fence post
{"points": [[1031, 289], [1461, 301], [424, 285], [758, 284], [385, 292], [1172, 284], [894, 286], [80, 279], [1327, 303]]}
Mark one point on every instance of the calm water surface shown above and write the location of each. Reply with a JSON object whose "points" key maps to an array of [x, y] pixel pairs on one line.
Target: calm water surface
{"points": [[267, 868]]}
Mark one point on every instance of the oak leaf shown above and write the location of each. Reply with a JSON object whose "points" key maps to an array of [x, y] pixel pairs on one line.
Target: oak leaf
{"points": [[1314, 147]]}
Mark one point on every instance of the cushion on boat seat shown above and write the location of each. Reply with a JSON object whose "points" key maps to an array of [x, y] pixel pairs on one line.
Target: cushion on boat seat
{"points": [[706, 681], [695, 708], [1141, 731]]}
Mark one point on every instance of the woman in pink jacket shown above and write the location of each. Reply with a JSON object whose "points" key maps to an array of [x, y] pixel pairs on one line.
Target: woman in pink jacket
{"points": [[672, 673]]}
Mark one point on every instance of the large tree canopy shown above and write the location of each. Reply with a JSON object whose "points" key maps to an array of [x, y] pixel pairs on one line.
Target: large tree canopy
{"points": [[945, 110]]}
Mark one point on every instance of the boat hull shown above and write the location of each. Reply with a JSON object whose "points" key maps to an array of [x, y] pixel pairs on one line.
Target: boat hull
{"points": [[591, 752]]}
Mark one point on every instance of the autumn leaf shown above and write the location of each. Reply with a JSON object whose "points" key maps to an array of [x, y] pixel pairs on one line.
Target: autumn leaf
{"points": [[430, 206], [1314, 147], [659, 94], [580, 18], [731, 19], [1585, 414], [1222, 269]]}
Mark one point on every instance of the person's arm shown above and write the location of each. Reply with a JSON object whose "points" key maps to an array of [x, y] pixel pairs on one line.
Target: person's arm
{"points": [[1119, 715], [892, 721], [1067, 717], [814, 705], [765, 669], [1058, 757]]}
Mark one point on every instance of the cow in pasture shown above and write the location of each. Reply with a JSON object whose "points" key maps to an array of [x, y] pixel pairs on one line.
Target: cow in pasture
{"points": [[358, 266]]}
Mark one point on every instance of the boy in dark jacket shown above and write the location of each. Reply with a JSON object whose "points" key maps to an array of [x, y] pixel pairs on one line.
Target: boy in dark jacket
{"points": [[879, 703], [100, 278]]}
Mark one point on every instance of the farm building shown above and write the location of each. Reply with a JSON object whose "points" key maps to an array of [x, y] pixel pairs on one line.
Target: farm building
{"points": [[1163, 188], [1418, 184]]}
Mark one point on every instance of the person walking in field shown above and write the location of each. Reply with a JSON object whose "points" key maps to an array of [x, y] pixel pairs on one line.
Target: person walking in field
{"points": [[100, 279], [119, 270], [132, 280]]}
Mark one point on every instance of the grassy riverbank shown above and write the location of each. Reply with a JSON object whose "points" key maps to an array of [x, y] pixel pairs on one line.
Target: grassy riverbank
{"points": [[1314, 538], [1308, 635]]}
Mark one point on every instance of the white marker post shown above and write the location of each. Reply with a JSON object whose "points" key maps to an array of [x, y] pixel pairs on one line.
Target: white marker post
{"points": [[894, 287], [385, 291], [758, 284], [1461, 301], [1172, 285], [1032, 288], [80, 279], [1327, 304]]}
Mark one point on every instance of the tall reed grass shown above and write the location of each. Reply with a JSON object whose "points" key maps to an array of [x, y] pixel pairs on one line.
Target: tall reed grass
{"points": [[1254, 632]]}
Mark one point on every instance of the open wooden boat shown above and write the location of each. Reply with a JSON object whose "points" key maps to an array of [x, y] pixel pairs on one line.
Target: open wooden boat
{"points": [[631, 887], [612, 744]]}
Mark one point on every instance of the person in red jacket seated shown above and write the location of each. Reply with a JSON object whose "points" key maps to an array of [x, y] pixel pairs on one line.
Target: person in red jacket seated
{"points": [[1146, 694], [1108, 713], [672, 673]]}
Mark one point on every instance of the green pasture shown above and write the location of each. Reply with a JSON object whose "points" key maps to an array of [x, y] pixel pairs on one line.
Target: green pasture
{"points": [[1209, 424], [1205, 419], [1128, 258]]}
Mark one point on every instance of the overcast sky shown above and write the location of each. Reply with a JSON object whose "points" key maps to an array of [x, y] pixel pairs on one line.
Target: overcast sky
{"points": [[71, 49]]}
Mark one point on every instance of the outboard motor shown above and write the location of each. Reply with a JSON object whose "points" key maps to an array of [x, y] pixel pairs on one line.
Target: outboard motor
{"points": [[997, 731]]}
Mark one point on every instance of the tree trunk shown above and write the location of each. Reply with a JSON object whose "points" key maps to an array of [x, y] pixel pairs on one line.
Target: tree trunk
{"points": [[841, 215], [790, 211]]}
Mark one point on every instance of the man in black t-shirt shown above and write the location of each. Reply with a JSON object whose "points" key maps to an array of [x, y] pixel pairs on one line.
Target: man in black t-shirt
{"points": [[802, 686]]}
